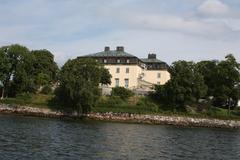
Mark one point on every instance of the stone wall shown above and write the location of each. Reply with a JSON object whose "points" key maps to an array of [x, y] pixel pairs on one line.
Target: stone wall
{"points": [[124, 117], [168, 120]]}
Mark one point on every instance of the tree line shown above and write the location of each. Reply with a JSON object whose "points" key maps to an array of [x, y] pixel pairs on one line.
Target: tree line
{"points": [[215, 82], [25, 71]]}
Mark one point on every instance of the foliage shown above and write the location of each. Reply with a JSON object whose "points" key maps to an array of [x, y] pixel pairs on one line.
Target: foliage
{"points": [[34, 100], [47, 90], [24, 71], [79, 81], [45, 66], [118, 105], [222, 79], [105, 76], [122, 92], [112, 101], [185, 86]]}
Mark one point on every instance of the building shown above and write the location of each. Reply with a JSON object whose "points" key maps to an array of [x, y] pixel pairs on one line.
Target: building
{"points": [[130, 71]]}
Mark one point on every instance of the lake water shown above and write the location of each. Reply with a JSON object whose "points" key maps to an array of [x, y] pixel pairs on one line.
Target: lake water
{"points": [[40, 138]]}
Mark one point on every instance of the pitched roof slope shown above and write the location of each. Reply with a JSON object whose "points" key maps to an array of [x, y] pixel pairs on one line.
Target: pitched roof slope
{"points": [[111, 53], [147, 60]]}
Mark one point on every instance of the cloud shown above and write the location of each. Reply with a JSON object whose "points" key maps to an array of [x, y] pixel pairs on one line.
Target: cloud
{"points": [[214, 8], [77, 27], [185, 25]]}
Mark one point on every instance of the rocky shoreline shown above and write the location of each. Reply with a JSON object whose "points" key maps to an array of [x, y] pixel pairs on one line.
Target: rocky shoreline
{"points": [[124, 117]]}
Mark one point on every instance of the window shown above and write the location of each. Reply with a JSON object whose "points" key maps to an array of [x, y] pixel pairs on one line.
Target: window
{"points": [[118, 61], [118, 70], [127, 70], [128, 60], [126, 82], [104, 61], [158, 75], [116, 82]]}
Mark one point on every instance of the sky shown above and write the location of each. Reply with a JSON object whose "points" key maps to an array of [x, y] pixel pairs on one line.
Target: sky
{"points": [[173, 29]]}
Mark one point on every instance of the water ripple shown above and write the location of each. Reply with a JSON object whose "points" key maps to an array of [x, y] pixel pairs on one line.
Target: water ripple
{"points": [[35, 138]]}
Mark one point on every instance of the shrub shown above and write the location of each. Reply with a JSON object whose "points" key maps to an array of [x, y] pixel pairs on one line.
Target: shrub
{"points": [[112, 101], [47, 89], [146, 103], [122, 92]]}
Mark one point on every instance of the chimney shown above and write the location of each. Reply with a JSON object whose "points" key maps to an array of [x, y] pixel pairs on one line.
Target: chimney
{"points": [[120, 48], [152, 56], [107, 48]]}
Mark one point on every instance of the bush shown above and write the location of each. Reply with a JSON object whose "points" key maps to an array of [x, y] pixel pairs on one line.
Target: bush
{"points": [[122, 92], [47, 89], [112, 101], [145, 102]]}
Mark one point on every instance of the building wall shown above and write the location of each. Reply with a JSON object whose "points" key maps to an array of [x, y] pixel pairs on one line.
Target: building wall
{"points": [[152, 76], [133, 75], [135, 71]]}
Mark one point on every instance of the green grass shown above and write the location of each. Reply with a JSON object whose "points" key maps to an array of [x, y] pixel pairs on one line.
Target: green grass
{"points": [[135, 105], [34, 100]]}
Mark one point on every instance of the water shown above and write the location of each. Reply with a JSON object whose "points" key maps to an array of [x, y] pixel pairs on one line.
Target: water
{"points": [[39, 138]]}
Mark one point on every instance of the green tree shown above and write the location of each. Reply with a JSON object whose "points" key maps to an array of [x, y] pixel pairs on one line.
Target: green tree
{"points": [[227, 80], [222, 79], [25, 71], [79, 85], [45, 68], [122, 92], [13, 58], [185, 86], [209, 71], [105, 76]]}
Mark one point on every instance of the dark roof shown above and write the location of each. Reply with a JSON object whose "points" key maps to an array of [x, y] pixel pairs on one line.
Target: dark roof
{"points": [[146, 60], [113, 53]]}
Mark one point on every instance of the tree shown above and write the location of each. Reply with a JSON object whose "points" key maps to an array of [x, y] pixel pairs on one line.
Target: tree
{"points": [[208, 69], [45, 68], [79, 82], [227, 80], [222, 79], [122, 92], [13, 57], [185, 86], [25, 71], [105, 76]]}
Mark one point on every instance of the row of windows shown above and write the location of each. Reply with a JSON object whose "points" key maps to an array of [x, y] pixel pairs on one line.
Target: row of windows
{"points": [[126, 82], [118, 61], [118, 70], [127, 71]]}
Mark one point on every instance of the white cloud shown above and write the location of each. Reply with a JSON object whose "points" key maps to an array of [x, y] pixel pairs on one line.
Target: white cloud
{"points": [[176, 23], [214, 8], [78, 27]]}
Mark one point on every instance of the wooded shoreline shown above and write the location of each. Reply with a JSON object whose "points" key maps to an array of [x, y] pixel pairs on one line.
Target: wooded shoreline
{"points": [[123, 117]]}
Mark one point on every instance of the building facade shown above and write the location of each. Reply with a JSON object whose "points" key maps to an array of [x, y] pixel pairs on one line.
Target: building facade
{"points": [[130, 71]]}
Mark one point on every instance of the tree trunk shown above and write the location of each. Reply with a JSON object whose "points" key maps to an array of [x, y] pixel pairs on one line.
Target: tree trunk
{"points": [[2, 96], [229, 106]]}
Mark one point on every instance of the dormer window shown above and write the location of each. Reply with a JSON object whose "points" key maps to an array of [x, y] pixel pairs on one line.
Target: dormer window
{"points": [[128, 60], [104, 61], [118, 61]]}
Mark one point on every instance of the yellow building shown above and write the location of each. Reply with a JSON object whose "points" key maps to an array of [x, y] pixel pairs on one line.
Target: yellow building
{"points": [[132, 72]]}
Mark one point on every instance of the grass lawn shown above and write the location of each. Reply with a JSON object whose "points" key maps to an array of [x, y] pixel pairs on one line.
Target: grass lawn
{"points": [[34, 100], [134, 106]]}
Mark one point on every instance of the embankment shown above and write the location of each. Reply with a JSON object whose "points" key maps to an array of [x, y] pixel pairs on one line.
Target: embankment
{"points": [[124, 117]]}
